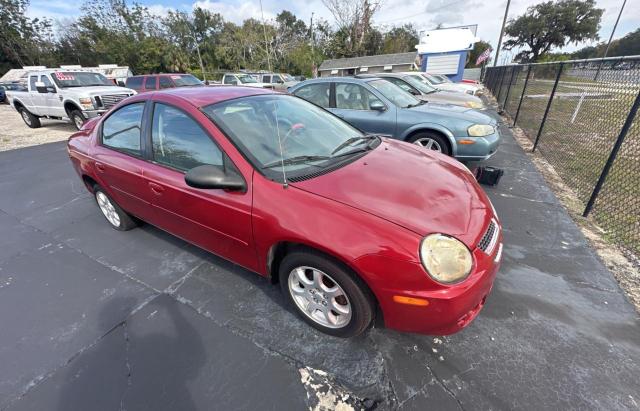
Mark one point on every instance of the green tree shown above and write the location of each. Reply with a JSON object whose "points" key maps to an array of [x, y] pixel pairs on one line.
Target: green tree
{"points": [[400, 39], [552, 24]]}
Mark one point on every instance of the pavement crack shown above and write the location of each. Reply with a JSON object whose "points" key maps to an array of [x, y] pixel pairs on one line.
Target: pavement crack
{"points": [[127, 363], [441, 383], [173, 287]]}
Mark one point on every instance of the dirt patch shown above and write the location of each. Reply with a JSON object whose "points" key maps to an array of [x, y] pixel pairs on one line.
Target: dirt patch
{"points": [[15, 134], [624, 266]]}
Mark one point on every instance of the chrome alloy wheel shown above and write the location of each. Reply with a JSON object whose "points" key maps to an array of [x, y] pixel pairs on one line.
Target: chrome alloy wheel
{"points": [[25, 117], [429, 144], [79, 122], [108, 209], [319, 297]]}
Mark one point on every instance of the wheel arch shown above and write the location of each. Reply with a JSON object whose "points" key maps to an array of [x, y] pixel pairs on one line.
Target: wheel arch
{"points": [[433, 128], [89, 182], [279, 250], [69, 106]]}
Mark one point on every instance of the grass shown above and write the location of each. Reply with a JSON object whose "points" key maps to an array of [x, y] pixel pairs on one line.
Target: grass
{"points": [[578, 150]]}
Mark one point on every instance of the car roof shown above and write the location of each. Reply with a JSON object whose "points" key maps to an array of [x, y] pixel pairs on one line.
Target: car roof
{"points": [[204, 96], [161, 74]]}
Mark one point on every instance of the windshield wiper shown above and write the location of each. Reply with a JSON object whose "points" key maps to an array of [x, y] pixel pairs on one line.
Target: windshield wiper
{"points": [[295, 160], [352, 140]]}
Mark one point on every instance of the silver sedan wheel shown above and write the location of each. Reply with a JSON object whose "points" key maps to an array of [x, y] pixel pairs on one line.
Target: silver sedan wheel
{"points": [[108, 209], [319, 297], [429, 144]]}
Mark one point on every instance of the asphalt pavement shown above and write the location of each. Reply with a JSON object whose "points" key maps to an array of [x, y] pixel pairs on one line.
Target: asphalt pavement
{"points": [[96, 319]]}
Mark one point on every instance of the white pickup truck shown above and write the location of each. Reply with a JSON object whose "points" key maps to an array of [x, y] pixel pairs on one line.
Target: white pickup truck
{"points": [[58, 94]]}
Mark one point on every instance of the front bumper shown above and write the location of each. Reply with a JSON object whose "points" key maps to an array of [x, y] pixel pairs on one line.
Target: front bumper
{"points": [[482, 148], [93, 113], [451, 308]]}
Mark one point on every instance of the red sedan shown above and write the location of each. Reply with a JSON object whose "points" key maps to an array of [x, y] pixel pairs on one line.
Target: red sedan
{"points": [[351, 225]]}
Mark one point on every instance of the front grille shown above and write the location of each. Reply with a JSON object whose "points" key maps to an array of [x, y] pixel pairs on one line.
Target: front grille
{"points": [[490, 237], [110, 100]]}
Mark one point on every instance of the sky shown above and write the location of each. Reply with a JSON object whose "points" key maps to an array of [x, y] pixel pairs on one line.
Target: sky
{"points": [[424, 14]]}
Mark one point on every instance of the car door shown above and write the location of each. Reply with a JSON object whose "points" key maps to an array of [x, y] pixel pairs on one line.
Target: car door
{"points": [[36, 98], [216, 220], [119, 159], [353, 103], [52, 100]]}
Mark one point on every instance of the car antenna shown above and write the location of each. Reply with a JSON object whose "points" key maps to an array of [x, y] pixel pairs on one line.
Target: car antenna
{"points": [[285, 184]]}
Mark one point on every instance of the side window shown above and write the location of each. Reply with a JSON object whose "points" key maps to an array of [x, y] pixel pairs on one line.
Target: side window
{"points": [[278, 79], [32, 82], [46, 81], [135, 83], [121, 130], [150, 83], [353, 97], [179, 142], [230, 80], [266, 79], [317, 94], [165, 82]]}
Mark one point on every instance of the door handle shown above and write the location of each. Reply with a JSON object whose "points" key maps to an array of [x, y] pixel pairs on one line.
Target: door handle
{"points": [[100, 167], [156, 188]]}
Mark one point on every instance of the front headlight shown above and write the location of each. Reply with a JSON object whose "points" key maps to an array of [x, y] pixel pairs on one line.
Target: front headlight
{"points": [[86, 103], [474, 104], [446, 259], [480, 130]]}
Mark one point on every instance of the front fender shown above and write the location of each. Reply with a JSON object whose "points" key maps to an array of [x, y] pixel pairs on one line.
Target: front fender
{"points": [[432, 127]]}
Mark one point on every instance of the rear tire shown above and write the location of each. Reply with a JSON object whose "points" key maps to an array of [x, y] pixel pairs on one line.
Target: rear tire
{"points": [[29, 119], [431, 141], [77, 118], [115, 215], [325, 294]]}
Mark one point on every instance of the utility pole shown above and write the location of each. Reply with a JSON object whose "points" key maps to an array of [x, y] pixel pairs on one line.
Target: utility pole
{"points": [[615, 26], [266, 43], [504, 21], [313, 51]]}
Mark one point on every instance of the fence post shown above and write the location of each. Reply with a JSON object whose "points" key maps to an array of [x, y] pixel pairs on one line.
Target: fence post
{"points": [[500, 85], [506, 97], [524, 89], [614, 153], [546, 111]]}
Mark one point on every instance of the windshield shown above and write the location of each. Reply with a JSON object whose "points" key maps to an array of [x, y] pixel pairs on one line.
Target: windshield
{"points": [[262, 126], [394, 93], [185, 80], [444, 78], [421, 85], [245, 78], [288, 77], [80, 79], [433, 79]]}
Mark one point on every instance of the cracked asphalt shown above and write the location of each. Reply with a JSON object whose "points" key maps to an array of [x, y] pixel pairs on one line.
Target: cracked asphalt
{"points": [[96, 319]]}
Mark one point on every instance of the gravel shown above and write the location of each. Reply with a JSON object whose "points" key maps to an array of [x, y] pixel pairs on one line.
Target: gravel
{"points": [[14, 133]]}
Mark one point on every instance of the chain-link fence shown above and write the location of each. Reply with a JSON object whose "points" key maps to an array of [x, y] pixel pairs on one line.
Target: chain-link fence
{"points": [[582, 117]]}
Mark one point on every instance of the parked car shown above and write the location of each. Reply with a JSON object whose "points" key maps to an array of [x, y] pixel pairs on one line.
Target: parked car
{"points": [[10, 86], [243, 79], [444, 83], [58, 94], [153, 82], [279, 81], [375, 105], [284, 188], [425, 92]]}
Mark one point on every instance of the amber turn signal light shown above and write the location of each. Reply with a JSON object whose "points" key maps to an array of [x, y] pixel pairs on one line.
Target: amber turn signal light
{"points": [[410, 300]]}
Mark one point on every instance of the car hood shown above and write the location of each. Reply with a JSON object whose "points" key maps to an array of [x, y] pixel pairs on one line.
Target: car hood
{"points": [[100, 90], [407, 185], [459, 112]]}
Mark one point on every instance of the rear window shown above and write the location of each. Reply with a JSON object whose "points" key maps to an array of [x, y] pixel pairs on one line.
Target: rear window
{"points": [[135, 83]]}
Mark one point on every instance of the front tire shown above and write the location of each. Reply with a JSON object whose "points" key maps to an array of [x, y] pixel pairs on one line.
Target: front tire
{"points": [[431, 141], [29, 119], [115, 215], [325, 295], [77, 118]]}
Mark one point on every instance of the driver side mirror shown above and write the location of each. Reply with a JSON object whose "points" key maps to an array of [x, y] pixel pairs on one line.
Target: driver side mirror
{"points": [[414, 92], [212, 177], [377, 105], [42, 88]]}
